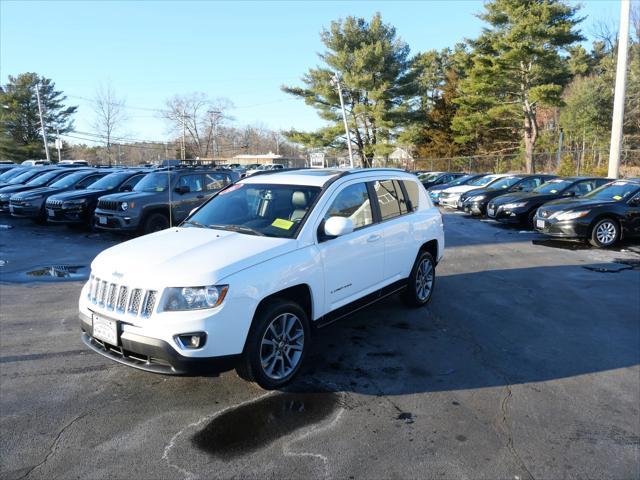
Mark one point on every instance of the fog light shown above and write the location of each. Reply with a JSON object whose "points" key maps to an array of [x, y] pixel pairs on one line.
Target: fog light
{"points": [[191, 340]]}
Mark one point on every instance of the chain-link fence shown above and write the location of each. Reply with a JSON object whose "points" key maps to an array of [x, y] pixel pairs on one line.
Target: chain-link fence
{"points": [[568, 163]]}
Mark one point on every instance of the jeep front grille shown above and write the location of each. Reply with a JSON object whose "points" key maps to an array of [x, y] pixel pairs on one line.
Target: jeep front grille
{"points": [[108, 205], [121, 298]]}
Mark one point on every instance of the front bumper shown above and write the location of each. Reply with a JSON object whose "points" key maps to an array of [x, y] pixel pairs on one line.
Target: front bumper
{"points": [[450, 201], [66, 215], [474, 208], [109, 220], [514, 216], [153, 354], [24, 211], [562, 229]]}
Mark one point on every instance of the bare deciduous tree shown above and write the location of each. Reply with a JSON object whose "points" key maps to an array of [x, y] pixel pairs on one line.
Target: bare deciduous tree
{"points": [[194, 114], [110, 114]]}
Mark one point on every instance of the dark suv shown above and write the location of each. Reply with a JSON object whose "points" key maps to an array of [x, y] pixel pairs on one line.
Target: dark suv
{"points": [[31, 203], [76, 207], [146, 208]]}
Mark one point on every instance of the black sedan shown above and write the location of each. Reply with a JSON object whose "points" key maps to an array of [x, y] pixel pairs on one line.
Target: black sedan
{"points": [[77, 206], [31, 203], [475, 202], [438, 178], [36, 177], [602, 216], [520, 208]]}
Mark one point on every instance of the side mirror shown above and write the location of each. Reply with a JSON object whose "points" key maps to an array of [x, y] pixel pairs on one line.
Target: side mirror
{"points": [[182, 189], [569, 194], [338, 226], [79, 187], [126, 188]]}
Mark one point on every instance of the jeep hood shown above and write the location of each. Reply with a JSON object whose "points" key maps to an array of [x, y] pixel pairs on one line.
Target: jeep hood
{"points": [[576, 203], [183, 257]]}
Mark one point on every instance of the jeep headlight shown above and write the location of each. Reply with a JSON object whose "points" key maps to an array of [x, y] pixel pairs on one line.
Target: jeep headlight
{"points": [[511, 206], [194, 298], [561, 216]]}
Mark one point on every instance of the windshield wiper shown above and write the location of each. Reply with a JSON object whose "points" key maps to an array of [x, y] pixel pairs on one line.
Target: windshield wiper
{"points": [[196, 224], [238, 228]]}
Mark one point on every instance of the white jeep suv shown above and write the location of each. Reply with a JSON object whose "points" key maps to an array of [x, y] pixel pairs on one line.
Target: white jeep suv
{"points": [[246, 279]]}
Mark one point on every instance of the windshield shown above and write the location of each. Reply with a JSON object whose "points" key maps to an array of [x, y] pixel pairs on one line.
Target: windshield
{"points": [[482, 181], [553, 186], [504, 183], [69, 180], [257, 209], [460, 180], [43, 179], [154, 182], [24, 177], [613, 191], [14, 172], [109, 182]]}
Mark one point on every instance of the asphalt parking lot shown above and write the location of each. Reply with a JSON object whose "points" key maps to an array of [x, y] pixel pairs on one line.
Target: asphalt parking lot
{"points": [[524, 365]]}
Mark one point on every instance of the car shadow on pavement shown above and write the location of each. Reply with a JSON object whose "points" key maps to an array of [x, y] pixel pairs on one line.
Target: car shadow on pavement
{"points": [[535, 325]]}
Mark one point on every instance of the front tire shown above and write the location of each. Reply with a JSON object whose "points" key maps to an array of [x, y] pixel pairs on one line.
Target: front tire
{"points": [[605, 233], [276, 345], [155, 222], [421, 281]]}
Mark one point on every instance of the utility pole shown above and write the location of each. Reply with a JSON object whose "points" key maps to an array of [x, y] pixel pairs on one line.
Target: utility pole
{"points": [[59, 145], [183, 149], [559, 159], [214, 117], [617, 122], [44, 130], [335, 81]]}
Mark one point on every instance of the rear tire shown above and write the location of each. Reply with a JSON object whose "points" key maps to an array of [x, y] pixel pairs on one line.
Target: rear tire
{"points": [[276, 345], [421, 281], [605, 233], [155, 222]]}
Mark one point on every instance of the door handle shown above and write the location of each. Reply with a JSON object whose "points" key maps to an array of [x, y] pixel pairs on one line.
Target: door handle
{"points": [[374, 238]]}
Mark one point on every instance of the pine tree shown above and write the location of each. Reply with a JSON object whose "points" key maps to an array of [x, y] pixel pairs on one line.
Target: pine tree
{"points": [[517, 67], [373, 66], [20, 136]]}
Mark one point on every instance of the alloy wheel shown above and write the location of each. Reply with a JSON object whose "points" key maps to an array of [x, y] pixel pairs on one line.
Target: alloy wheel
{"points": [[424, 279], [606, 233], [281, 346]]}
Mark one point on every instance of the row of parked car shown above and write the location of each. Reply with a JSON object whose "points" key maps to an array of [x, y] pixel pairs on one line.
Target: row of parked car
{"points": [[600, 210], [121, 199]]}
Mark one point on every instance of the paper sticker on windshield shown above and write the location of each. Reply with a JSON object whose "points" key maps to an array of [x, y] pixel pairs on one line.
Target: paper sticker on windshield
{"points": [[554, 191], [232, 188], [282, 223], [617, 197]]}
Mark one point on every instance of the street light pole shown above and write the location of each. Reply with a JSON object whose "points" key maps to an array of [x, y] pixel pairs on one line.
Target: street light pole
{"points": [[44, 130], [617, 122], [336, 82]]}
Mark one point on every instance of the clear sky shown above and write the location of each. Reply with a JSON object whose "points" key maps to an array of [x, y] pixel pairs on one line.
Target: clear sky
{"points": [[152, 50]]}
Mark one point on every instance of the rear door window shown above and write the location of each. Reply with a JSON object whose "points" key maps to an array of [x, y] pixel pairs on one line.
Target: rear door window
{"points": [[216, 181], [389, 197], [194, 182], [414, 195]]}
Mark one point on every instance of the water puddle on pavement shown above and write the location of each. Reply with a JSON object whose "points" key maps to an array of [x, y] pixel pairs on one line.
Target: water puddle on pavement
{"points": [[59, 271], [251, 426]]}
